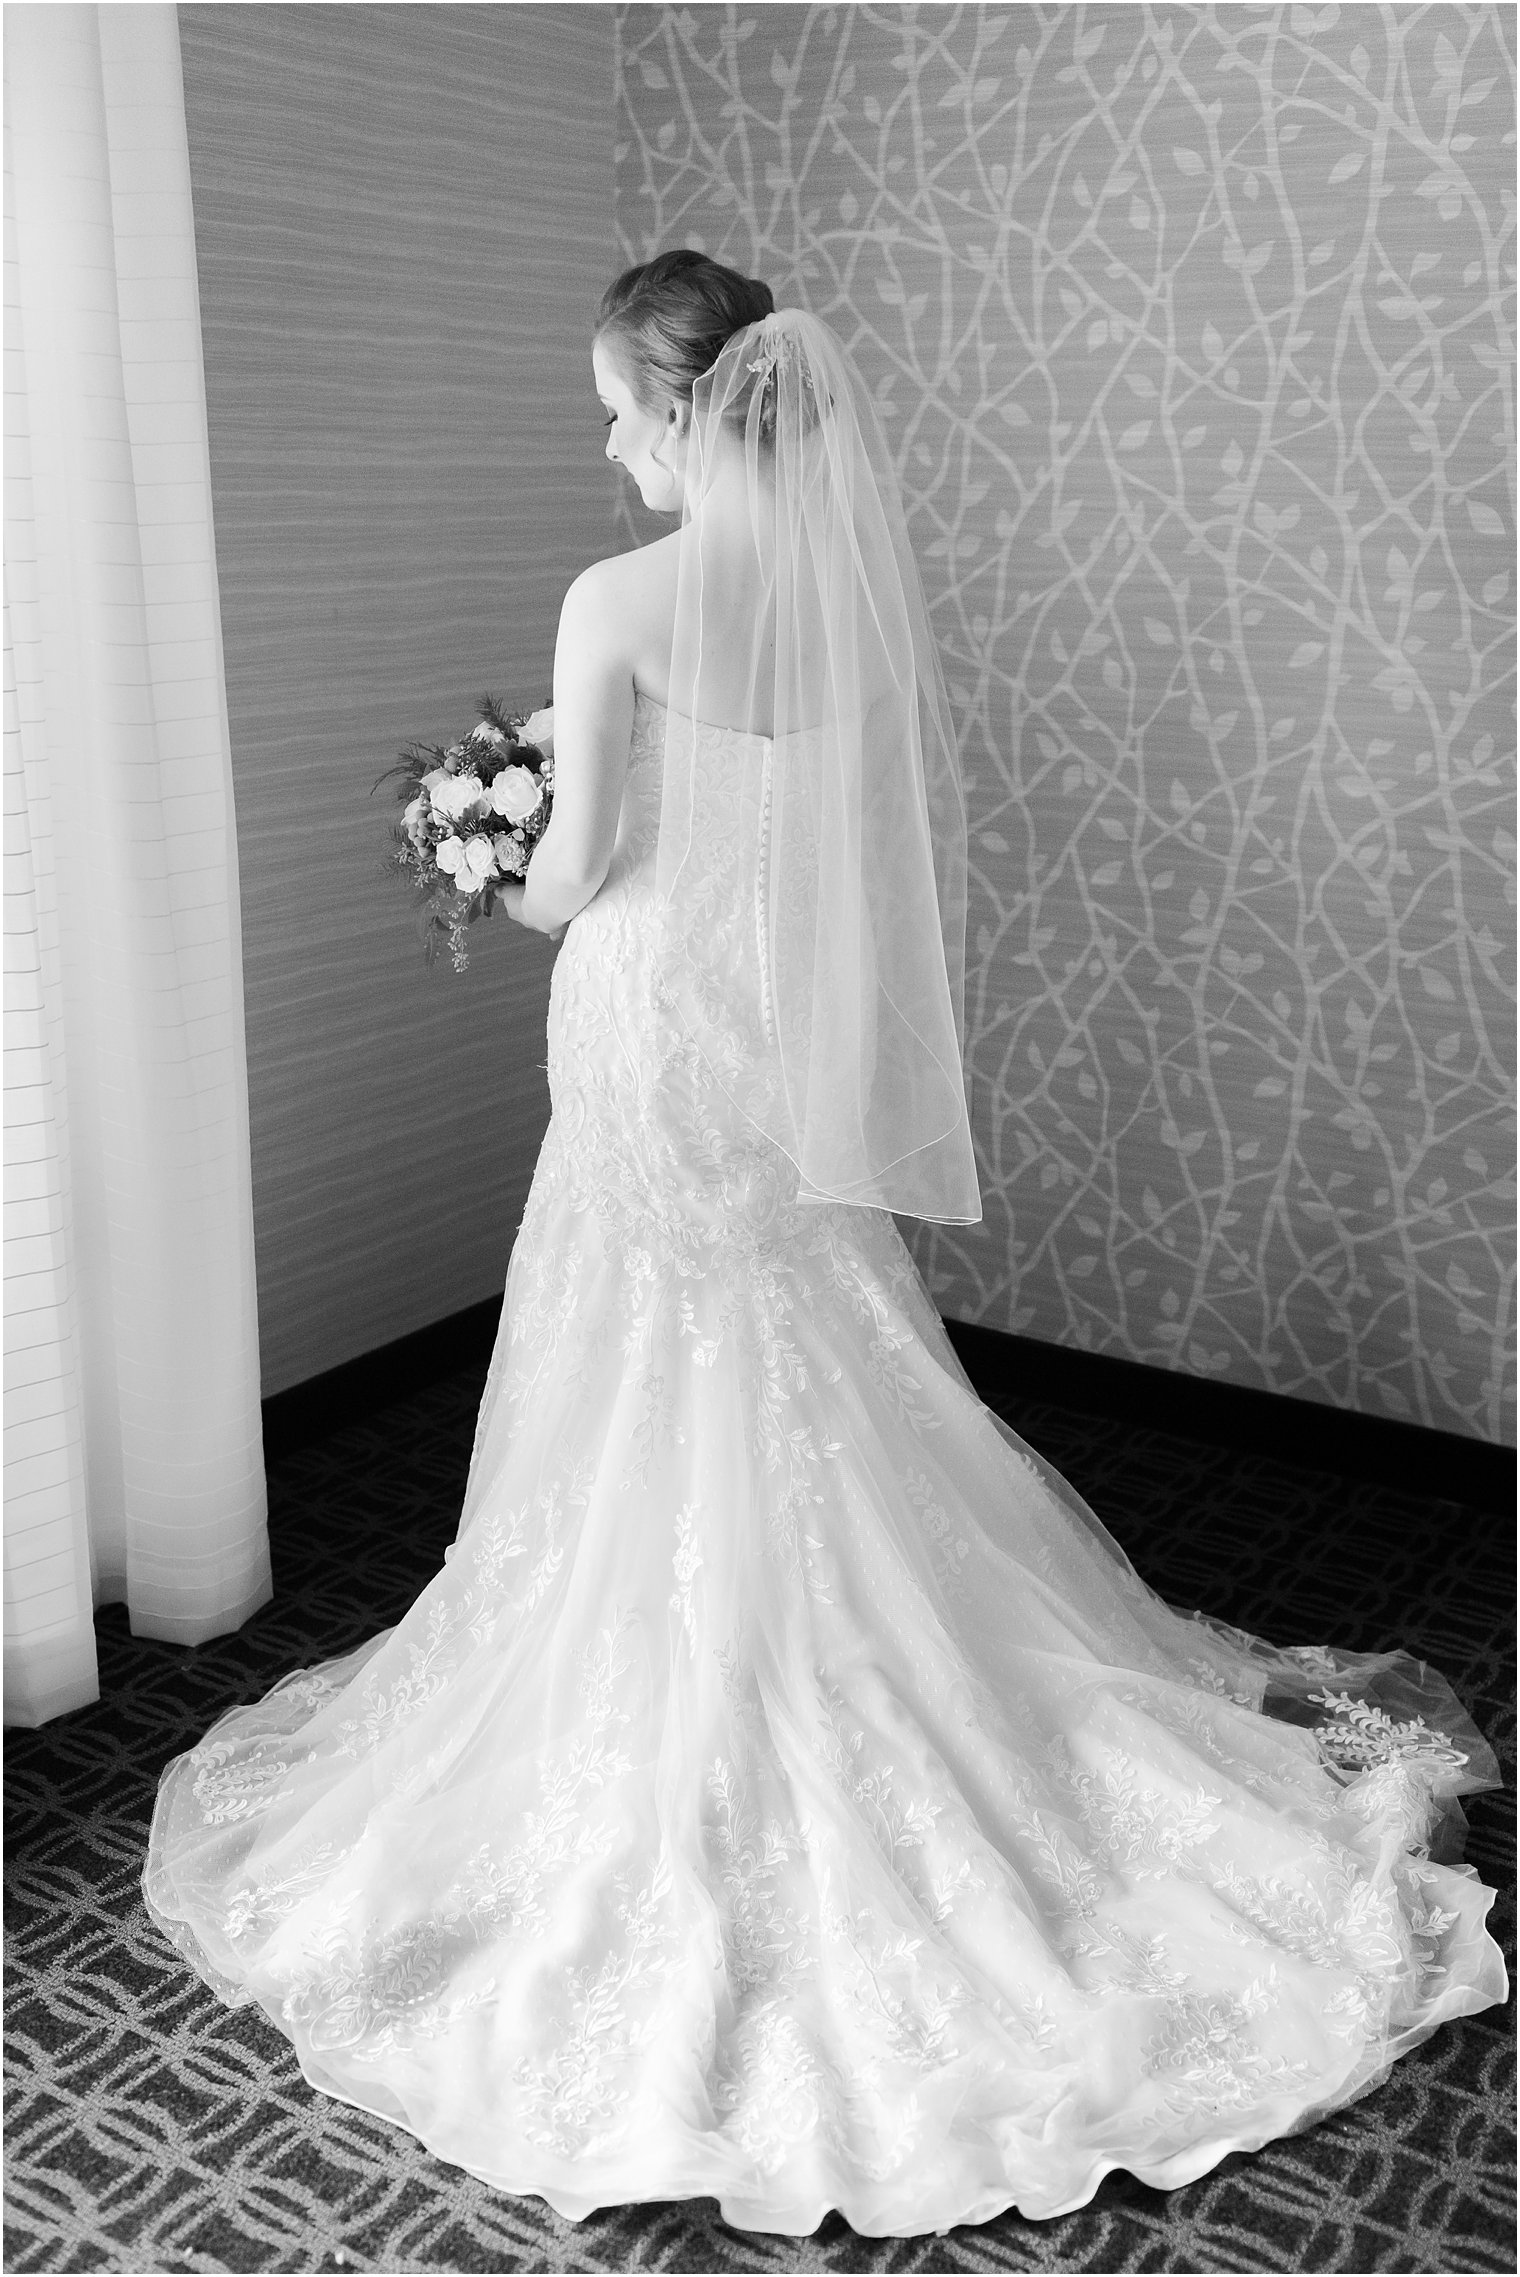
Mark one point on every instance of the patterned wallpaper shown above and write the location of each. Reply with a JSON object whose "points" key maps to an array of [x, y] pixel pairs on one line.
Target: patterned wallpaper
{"points": [[1193, 328]]}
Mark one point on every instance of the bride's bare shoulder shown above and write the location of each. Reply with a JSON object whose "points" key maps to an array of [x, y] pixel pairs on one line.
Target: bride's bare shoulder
{"points": [[632, 584], [621, 612]]}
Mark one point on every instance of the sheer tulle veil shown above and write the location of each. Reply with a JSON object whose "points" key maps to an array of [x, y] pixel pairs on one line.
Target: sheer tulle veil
{"points": [[815, 914]]}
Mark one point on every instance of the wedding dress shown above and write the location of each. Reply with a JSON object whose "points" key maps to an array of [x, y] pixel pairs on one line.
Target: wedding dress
{"points": [[786, 1792]]}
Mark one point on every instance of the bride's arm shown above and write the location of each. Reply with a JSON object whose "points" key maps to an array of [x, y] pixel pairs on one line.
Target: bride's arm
{"points": [[593, 726]]}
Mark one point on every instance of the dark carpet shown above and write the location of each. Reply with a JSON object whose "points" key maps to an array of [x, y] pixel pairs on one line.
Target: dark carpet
{"points": [[151, 2129]]}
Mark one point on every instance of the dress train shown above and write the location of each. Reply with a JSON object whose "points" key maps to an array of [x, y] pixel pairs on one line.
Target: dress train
{"points": [[787, 1792]]}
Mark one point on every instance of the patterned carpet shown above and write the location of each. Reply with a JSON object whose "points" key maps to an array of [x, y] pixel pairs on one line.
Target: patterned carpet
{"points": [[150, 2129]]}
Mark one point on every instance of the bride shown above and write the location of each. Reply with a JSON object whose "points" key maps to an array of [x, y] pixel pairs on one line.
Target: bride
{"points": [[787, 1792]]}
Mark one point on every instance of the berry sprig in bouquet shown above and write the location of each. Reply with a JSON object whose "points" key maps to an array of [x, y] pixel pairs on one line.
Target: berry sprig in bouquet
{"points": [[474, 811]]}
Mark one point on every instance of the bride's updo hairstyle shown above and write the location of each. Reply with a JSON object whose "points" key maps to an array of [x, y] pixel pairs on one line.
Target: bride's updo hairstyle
{"points": [[668, 320]]}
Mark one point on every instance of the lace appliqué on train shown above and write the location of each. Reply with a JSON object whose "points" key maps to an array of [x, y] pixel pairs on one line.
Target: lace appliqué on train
{"points": [[785, 1791]]}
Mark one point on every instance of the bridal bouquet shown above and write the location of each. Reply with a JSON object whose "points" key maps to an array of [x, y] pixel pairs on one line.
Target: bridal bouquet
{"points": [[474, 812]]}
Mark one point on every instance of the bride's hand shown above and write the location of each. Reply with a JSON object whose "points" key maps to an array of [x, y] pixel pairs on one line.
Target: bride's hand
{"points": [[510, 898]]}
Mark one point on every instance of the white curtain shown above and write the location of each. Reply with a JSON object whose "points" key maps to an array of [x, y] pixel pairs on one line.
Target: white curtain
{"points": [[133, 1457]]}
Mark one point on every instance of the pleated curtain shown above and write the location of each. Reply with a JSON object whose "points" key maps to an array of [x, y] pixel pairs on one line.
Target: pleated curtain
{"points": [[133, 1457]]}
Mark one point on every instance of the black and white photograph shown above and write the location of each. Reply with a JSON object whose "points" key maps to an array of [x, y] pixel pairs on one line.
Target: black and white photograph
{"points": [[759, 1136]]}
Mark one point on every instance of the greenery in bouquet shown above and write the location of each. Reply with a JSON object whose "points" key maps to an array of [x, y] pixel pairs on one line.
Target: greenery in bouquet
{"points": [[473, 811]]}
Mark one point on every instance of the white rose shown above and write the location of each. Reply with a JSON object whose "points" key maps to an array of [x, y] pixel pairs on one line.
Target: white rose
{"points": [[456, 795], [433, 777], [538, 728], [449, 855], [479, 864], [486, 733], [516, 792], [411, 820]]}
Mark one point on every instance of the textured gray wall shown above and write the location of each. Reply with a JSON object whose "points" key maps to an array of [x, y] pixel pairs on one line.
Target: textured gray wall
{"points": [[403, 224], [1194, 330]]}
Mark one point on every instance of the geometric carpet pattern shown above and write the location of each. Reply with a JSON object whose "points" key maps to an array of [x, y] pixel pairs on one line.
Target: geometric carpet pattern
{"points": [[149, 2128]]}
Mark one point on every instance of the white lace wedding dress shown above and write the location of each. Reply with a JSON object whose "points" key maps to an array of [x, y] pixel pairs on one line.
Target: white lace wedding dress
{"points": [[786, 1792]]}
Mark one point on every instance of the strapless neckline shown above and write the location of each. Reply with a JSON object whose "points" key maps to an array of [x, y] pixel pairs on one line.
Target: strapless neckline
{"points": [[713, 727]]}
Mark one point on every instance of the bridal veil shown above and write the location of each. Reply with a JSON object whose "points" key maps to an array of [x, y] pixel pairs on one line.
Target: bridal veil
{"points": [[815, 942]]}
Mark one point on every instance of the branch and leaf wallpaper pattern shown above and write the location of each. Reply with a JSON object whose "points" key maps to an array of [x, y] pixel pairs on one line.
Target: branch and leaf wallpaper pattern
{"points": [[1192, 327]]}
